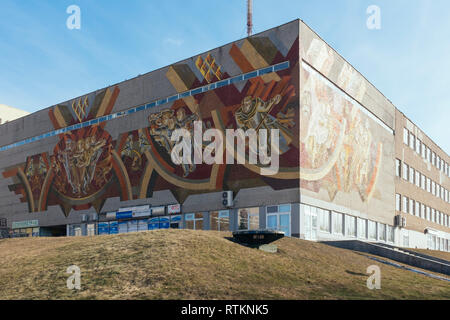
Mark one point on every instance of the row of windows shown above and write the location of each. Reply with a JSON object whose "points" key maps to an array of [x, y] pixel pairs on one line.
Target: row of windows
{"points": [[248, 219], [421, 149], [436, 243], [421, 181], [218, 220], [209, 87], [415, 208], [354, 227]]}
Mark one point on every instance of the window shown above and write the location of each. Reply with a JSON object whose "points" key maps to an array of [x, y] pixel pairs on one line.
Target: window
{"points": [[428, 185], [372, 230], [194, 221], [338, 223], [438, 162], [411, 206], [362, 228], [398, 168], [417, 179], [418, 146], [411, 175], [422, 181], [429, 155], [350, 226], [412, 141], [433, 158], [405, 136], [382, 232], [433, 215], [429, 241], [422, 210], [324, 217], [390, 234], [279, 218], [428, 216], [417, 209], [220, 220], [405, 204], [248, 218], [424, 151], [405, 171], [398, 202]]}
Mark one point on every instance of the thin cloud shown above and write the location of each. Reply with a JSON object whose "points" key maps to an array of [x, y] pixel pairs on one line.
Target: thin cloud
{"points": [[173, 42]]}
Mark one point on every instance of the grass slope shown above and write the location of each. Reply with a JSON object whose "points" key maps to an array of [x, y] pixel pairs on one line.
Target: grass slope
{"points": [[184, 264]]}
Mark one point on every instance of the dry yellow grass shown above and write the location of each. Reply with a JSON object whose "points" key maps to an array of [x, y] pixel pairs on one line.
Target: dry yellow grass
{"points": [[184, 264]]}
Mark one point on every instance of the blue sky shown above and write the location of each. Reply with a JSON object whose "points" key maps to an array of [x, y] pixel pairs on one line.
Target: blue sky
{"points": [[42, 62]]}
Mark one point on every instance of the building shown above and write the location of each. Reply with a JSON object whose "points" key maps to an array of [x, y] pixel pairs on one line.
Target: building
{"points": [[9, 113], [101, 163]]}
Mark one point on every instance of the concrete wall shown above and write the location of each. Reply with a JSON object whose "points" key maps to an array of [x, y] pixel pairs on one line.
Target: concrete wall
{"points": [[335, 99]]}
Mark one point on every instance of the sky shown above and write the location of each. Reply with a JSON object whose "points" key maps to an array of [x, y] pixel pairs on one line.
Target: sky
{"points": [[43, 63]]}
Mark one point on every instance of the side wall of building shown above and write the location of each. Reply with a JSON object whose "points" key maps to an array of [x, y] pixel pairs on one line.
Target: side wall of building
{"points": [[346, 145], [422, 186]]}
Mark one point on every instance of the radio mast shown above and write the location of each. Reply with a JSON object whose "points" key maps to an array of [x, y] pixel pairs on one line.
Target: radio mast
{"points": [[249, 17]]}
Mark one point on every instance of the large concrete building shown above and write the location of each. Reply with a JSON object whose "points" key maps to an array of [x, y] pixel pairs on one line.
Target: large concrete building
{"points": [[351, 166]]}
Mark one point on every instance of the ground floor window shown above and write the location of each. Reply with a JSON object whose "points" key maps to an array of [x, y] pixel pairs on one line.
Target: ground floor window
{"points": [[338, 223], [381, 232], [324, 217], [123, 226], [372, 230], [159, 223], [142, 225], [279, 218], [220, 220], [362, 228], [350, 226], [175, 222], [248, 218], [194, 221], [310, 215], [391, 234]]}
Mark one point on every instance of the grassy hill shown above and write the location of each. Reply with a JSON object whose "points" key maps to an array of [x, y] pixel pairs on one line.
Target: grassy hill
{"points": [[184, 264]]}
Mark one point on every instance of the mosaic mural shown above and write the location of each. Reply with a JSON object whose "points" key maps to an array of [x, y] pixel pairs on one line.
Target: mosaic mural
{"points": [[340, 148], [87, 167]]}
